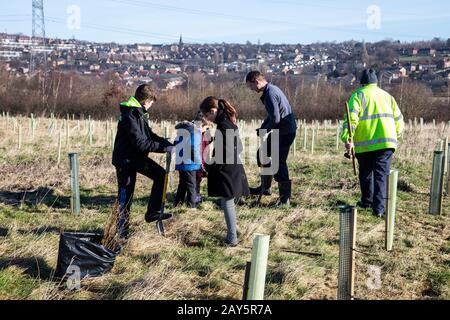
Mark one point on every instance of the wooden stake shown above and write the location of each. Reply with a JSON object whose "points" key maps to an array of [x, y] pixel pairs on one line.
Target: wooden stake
{"points": [[32, 127], [337, 138], [107, 133], [294, 146], [90, 132], [305, 134], [112, 139], [19, 138], [246, 280], [59, 146], [66, 123]]}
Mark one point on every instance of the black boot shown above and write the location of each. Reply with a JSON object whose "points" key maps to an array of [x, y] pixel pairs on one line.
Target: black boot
{"points": [[152, 217], [285, 188], [266, 185]]}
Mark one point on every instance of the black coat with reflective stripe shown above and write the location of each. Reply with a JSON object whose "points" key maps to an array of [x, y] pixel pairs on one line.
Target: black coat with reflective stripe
{"points": [[227, 180], [134, 138]]}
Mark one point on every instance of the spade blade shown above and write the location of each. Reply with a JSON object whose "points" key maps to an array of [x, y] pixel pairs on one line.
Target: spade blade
{"points": [[160, 227]]}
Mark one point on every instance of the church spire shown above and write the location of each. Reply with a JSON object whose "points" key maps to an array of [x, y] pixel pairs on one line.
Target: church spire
{"points": [[181, 41]]}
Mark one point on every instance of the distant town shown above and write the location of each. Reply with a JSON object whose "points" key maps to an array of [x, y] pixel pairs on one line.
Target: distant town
{"points": [[170, 65]]}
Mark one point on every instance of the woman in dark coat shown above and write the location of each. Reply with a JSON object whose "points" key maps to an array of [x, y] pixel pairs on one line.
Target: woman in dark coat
{"points": [[226, 174]]}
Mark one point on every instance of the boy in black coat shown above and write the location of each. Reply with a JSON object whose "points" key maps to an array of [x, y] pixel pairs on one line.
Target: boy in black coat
{"points": [[134, 141]]}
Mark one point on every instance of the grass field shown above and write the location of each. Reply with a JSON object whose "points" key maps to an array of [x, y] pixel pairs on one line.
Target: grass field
{"points": [[190, 262]]}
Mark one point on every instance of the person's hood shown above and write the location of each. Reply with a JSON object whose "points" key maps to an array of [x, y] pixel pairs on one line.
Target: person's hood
{"points": [[131, 104]]}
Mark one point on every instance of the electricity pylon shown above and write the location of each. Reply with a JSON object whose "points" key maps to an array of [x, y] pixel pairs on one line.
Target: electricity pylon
{"points": [[38, 32]]}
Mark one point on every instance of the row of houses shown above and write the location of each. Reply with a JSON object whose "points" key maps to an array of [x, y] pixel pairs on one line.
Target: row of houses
{"points": [[425, 52], [145, 62]]}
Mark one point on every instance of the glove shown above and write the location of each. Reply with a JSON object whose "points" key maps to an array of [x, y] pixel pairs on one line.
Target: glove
{"points": [[349, 146]]}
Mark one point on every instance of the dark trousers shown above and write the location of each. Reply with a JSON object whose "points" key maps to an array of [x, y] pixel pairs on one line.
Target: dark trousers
{"points": [[126, 179], [284, 147], [187, 189], [374, 168]]}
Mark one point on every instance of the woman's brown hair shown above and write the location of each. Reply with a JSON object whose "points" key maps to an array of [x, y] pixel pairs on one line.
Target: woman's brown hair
{"points": [[221, 104]]}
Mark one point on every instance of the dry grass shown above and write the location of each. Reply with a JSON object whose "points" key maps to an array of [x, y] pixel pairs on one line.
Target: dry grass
{"points": [[190, 263]]}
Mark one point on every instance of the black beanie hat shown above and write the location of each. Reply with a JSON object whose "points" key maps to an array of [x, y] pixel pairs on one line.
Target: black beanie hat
{"points": [[369, 76]]}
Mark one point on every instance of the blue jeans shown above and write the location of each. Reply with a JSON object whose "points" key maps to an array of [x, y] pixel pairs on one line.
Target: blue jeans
{"points": [[374, 168], [285, 143]]}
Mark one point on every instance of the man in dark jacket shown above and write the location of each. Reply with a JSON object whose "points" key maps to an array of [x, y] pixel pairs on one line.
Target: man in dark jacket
{"points": [[280, 116], [134, 141]]}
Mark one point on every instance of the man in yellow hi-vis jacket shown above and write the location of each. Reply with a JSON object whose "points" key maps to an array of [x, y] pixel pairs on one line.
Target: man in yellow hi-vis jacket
{"points": [[377, 123]]}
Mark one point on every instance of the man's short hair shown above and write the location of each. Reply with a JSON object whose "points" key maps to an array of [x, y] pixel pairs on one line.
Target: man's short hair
{"points": [[252, 76], [145, 92]]}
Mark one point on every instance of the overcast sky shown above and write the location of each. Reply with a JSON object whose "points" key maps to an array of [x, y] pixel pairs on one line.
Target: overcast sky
{"points": [[238, 21]]}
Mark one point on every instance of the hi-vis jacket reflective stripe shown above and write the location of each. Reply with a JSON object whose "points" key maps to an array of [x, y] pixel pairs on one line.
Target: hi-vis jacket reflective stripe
{"points": [[376, 120]]}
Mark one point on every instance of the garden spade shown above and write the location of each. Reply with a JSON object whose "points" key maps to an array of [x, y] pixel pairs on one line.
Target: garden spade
{"points": [[159, 223], [351, 154]]}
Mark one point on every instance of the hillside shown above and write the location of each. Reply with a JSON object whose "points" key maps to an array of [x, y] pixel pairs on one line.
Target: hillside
{"points": [[190, 262]]}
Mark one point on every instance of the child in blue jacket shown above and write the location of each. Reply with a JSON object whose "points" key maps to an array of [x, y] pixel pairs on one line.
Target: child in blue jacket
{"points": [[188, 162]]}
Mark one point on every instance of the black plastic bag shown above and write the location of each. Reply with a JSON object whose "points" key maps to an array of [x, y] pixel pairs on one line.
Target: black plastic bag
{"points": [[83, 252]]}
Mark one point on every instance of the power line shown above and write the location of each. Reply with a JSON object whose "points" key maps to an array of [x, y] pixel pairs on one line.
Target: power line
{"points": [[15, 15], [127, 31], [203, 12], [333, 7], [14, 20], [263, 20], [310, 4]]}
